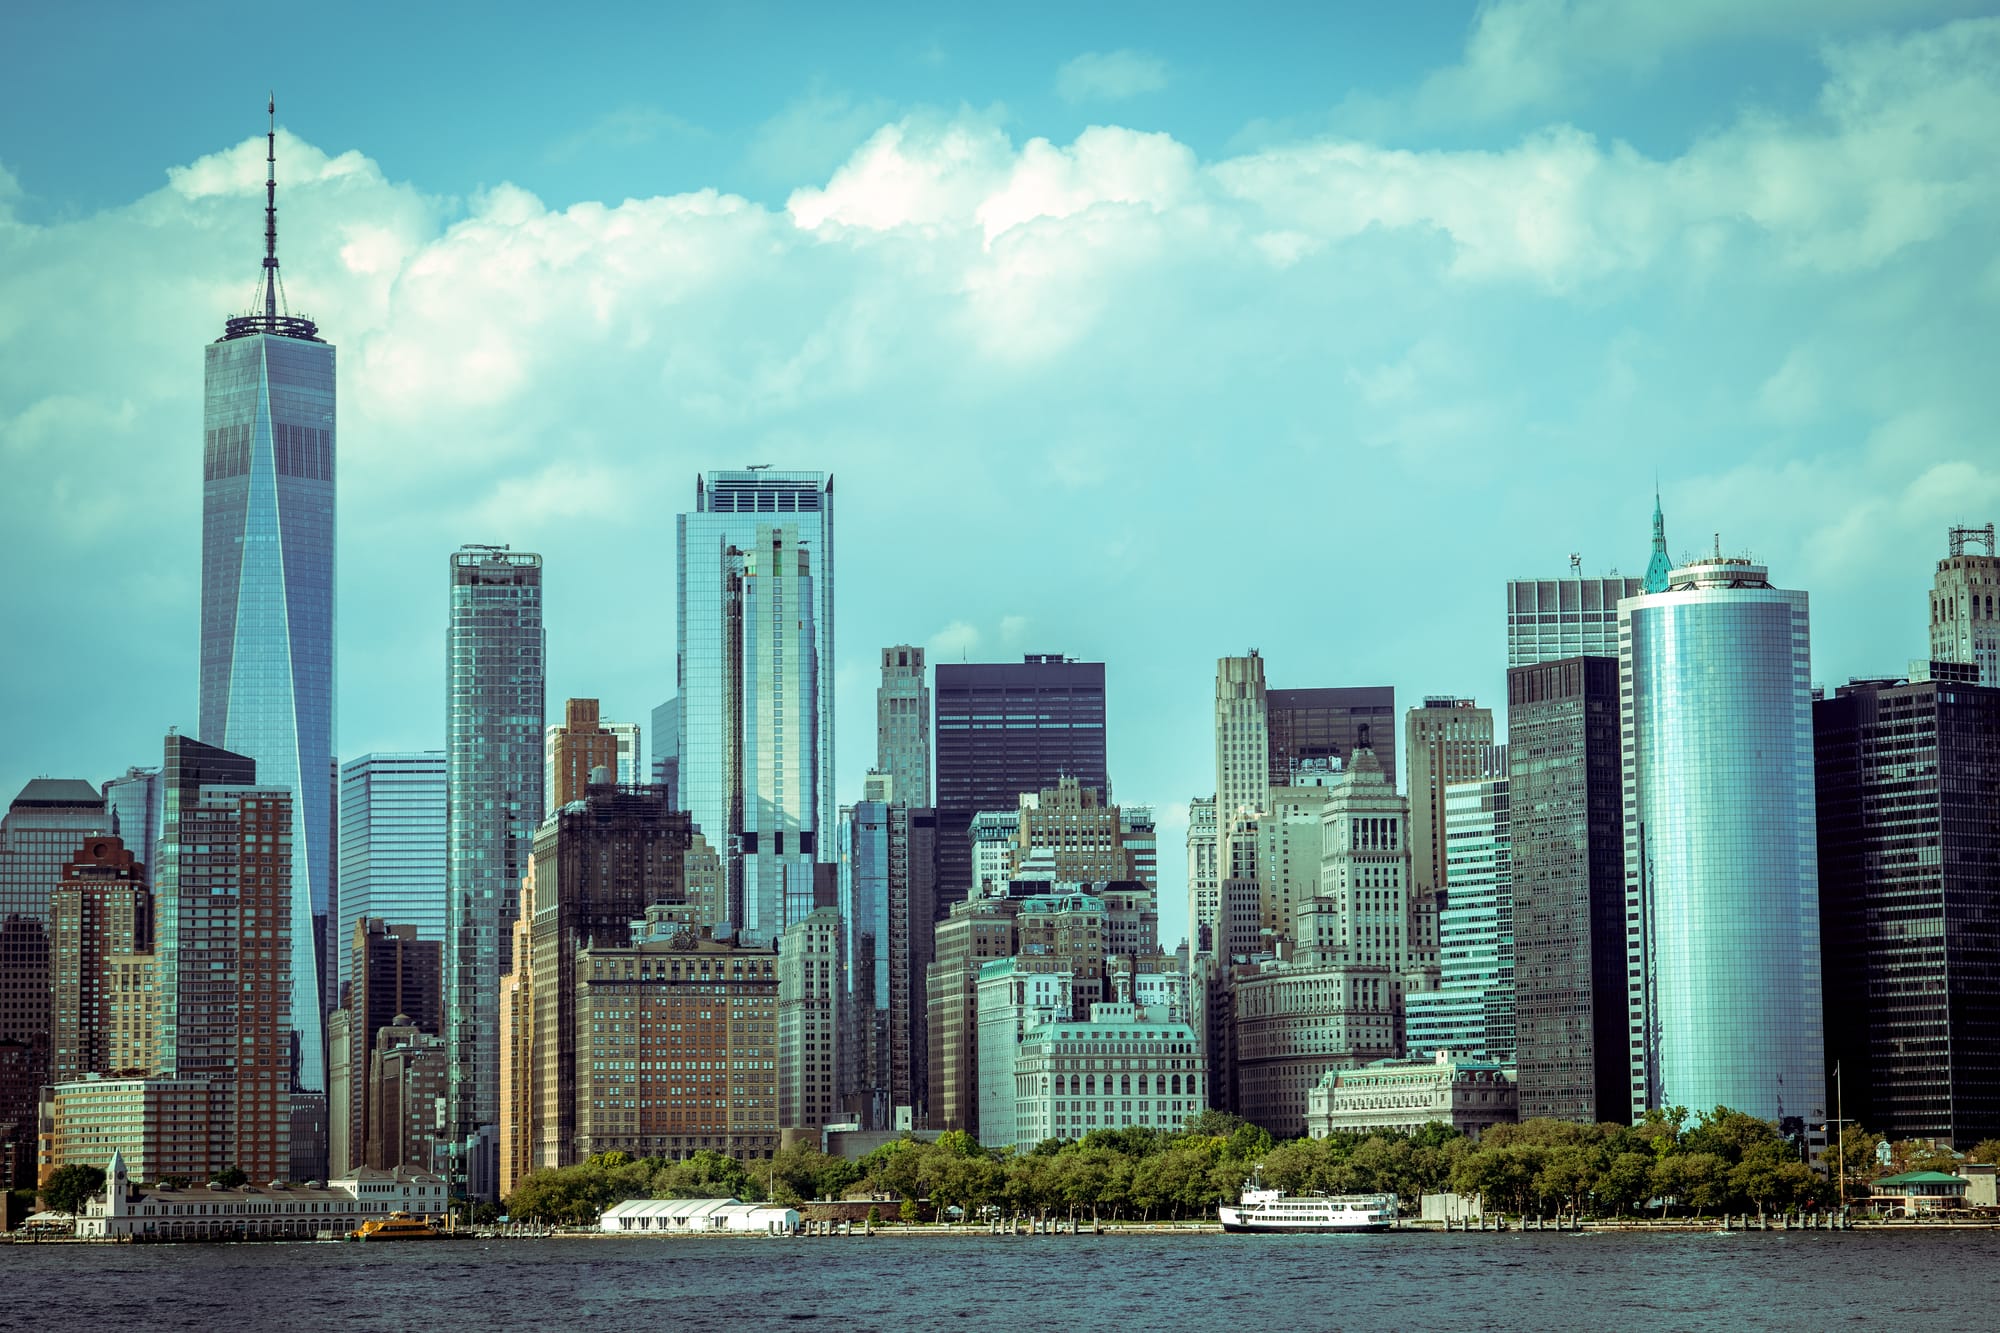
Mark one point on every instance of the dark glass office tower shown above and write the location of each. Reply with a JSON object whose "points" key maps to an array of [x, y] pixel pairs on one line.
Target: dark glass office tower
{"points": [[267, 596], [495, 673], [1571, 1050], [1004, 728], [1326, 724], [1909, 890]]}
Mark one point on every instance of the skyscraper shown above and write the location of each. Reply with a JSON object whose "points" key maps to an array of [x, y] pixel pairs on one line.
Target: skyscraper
{"points": [[100, 920], [224, 935], [874, 855], [496, 664], [1314, 725], [572, 748], [666, 766], [267, 596], [756, 684], [397, 979], [1965, 624], [1242, 761], [1204, 887], [1005, 728], [136, 801], [1571, 1049], [1909, 888], [44, 827], [903, 724], [1550, 619], [1447, 740], [1472, 1009], [1721, 866], [392, 847]]}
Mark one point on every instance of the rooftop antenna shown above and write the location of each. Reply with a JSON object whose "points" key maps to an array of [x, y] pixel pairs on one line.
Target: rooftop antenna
{"points": [[1576, 563], [756, 467], [271, 209]]}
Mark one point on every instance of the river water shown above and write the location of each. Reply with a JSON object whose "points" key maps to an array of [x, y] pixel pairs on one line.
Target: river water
{"points": [[1862, 1280]]}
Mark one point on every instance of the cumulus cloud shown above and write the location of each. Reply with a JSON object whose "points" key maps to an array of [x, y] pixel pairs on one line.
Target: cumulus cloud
{"points": [[1528, 54], [1138, 396], [1110, 76]]}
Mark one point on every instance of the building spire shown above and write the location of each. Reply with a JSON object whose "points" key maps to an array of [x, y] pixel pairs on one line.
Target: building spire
{"points": [[1661, 565], [272, 317], [271, 210]]}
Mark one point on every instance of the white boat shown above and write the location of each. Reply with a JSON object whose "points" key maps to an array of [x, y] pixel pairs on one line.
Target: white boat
{"points": [[1263, 1210]]}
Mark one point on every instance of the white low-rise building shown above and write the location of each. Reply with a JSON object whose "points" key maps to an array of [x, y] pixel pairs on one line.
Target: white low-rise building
{"points": [[683, 1217], [1402, 1096], [129, 1211], [1124, 1067]]}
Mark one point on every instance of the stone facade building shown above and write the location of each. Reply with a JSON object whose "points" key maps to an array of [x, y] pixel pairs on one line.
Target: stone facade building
{"points": [[1403, 1096], [1121, 1065]]}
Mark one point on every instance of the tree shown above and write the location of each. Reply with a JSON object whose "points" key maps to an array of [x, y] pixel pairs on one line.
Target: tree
{"points": [[230, 1178], [71, 1186], [1986, 1150]]}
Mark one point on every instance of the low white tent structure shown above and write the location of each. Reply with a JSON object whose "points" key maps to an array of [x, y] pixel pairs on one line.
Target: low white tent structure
{"points": [[686, 1217]]}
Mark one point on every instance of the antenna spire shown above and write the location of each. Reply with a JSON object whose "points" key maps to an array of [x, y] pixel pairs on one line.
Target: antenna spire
{"points": [[271, 210], [272, 318]]}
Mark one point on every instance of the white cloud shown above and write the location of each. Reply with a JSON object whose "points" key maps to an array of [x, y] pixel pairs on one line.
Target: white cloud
{"points": [[1081, 382], [1110, 76], [1525, 54]]}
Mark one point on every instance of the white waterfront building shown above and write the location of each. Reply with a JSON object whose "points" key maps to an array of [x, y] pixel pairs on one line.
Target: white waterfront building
{"points": [[127, 1211], [667, 1217]]}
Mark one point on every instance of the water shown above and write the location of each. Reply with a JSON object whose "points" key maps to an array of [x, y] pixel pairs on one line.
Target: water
{"points": [[1936, 1280]]}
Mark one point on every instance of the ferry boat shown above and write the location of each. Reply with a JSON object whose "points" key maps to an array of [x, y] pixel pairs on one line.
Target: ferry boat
{"points": [[1263, 1210], [396, 1226]]}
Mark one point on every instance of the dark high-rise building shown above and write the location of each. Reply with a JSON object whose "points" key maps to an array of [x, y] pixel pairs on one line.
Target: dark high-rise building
{"points": [[42, 830], [397, 979], [1908, 781], [598, 865], [267, 597], [1004, 728], [100, 919], [1572, 1052], [496, 663], [1309, 725], [224, 935]]}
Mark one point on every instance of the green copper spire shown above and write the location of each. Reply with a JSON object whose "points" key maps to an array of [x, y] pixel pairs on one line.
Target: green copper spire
{"points": [[1660, 565]]}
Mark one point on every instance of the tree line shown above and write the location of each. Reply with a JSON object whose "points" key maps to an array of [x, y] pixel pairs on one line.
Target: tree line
{"points": [[1668, 1163]]}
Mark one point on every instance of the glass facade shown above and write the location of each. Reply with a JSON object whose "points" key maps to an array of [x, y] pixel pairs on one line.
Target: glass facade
{"points": [[137, 801], [1550, 619], [1308, 727], [1004, 729], [267, 607], [1472, 1010], [496, 698], [868, 838], [1572, 1051], [1721, 865], [1909, 846], [392, 847]]}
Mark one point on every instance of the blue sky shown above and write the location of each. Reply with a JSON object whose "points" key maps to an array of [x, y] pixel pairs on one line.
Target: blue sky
{"points": [[1142, 333]]}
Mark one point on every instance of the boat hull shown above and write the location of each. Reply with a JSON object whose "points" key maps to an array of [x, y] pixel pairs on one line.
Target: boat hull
{"points": [[1303, 1229]]}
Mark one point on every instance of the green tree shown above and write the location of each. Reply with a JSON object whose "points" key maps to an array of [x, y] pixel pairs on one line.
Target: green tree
{"points": [[908, 1211], [70, 1186], [230, 1178], [1986, 1150]]}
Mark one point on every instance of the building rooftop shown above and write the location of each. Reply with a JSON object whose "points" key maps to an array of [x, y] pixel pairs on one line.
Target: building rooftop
{"points": [[45, 792]]}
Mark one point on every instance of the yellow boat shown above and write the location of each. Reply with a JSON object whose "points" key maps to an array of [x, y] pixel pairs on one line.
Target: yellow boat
{"points": [[396, 1226]]}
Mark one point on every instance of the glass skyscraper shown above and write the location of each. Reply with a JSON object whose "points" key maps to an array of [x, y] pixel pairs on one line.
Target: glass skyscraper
{"points": [[267, 599], [392, 846], [1721, 862], [1472, 1010], [1004, 729], [137, 801], [495, 672], [754, 666], [1572, 1048], [1909, 846]]}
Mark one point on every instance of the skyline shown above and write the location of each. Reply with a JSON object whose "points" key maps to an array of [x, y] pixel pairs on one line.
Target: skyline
{"points": [[1203, 337]]}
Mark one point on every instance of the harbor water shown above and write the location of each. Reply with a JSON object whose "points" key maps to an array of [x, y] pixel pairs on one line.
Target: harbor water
{"points": [[1927, 1279]]}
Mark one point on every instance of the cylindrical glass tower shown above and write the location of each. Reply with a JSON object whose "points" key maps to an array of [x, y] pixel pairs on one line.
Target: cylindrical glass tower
{"points": [[1721, 862]]}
